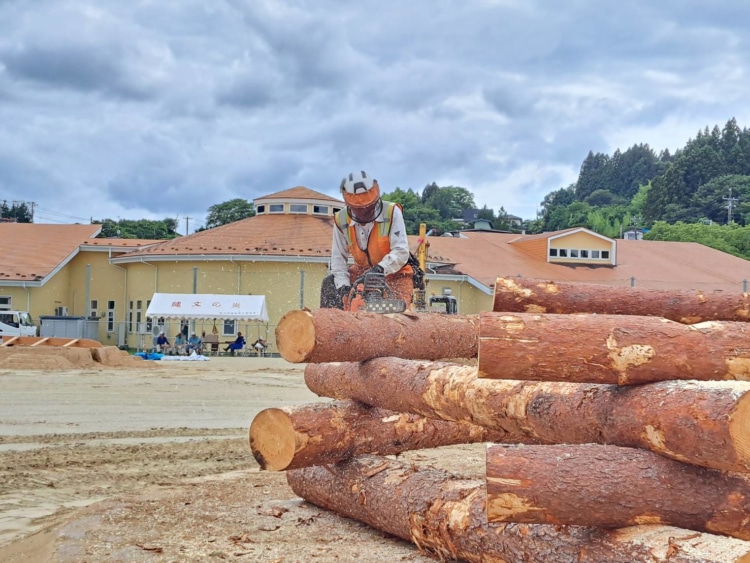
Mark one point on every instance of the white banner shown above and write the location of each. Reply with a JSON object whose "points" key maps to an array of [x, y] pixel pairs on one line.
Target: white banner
{"points": [[208, 306]]}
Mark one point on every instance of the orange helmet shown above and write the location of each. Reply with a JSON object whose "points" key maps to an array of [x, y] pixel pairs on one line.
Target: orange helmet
{"points": [[362, 196]]}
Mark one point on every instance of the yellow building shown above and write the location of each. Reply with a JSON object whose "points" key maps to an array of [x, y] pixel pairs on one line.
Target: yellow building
{"points": [[283, 254]]}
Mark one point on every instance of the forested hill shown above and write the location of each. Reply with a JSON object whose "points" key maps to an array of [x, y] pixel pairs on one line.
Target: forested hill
{"points": [[639, 187]]}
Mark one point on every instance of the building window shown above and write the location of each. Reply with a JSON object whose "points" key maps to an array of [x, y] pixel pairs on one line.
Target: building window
{"points": [[320, 209], [563, 253], [94, 308], [605, 254], [584, 253], [297, 208], [229, 326], [595, 254], [260, 209], [553, 252], [276, 208], [110, 316], [5, 303], [131, 315], [138, 313], [336, 209], [574, 253]]}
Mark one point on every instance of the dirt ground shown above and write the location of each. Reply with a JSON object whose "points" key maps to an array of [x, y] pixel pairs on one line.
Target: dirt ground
{"points": [[134, 464]]}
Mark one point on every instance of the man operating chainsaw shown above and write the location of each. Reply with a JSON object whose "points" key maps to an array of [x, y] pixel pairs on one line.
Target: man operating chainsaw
{"points": [[372, 231]]}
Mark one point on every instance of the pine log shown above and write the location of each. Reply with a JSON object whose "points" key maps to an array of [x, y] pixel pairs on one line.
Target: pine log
{"points": [[321, 433], [612, 487], [683, 306], [621, 349], [445, 517], [702, 423], [326, 335]]}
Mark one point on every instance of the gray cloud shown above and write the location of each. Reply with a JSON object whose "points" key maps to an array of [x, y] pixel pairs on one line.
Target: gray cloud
{"points": [[166, 108]]}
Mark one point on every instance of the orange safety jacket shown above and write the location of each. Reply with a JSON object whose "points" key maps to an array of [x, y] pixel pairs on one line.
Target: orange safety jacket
{"points": [[379, 243]]}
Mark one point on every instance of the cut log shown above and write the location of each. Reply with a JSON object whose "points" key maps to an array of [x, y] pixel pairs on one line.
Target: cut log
{"points": [[622, 349], [445, 517], [702, 423], [683, 306], [612, 487], [317, 434], [327, 335]]}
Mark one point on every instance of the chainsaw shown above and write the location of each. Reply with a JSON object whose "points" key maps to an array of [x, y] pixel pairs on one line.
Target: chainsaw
{"points": [[371, 293]]}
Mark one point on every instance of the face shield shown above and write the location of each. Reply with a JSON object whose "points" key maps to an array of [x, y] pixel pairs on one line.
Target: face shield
{"points": [[366, 213]]}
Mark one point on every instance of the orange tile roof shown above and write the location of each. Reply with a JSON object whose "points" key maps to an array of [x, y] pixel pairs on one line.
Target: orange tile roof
{"points": [[262, 235], [678, 265], [299, 192], [32, 251]]}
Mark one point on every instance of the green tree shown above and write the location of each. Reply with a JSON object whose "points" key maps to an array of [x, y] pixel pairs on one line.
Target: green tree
{"points": [[601, 198], [638, 202], [573, 215], [450, 201], [709, 199], [416, 212], [18, 211], [229, 212], [731, 239], [138, 229], [595, 175]]}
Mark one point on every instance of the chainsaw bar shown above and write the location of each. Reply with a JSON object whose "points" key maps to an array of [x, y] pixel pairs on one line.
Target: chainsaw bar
{"points": [[385, 306]]}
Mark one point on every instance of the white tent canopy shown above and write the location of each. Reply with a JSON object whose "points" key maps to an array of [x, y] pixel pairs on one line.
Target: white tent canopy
{"points": [[208, 306]]}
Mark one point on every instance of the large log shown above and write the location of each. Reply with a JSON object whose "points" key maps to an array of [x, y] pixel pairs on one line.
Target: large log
{"points": [[620, 349], [445, 517], [702, 423], [321, 433], [326, 335], [612, 487], [683, 306]]}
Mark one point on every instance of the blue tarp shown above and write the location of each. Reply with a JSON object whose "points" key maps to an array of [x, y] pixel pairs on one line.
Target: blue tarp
{"points": [[149, 355]]}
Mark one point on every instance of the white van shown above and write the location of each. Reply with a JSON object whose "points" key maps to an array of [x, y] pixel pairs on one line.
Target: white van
{"points": [[16, 323]]}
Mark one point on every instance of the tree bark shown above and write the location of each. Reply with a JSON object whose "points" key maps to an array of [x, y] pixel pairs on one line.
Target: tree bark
{"points": [[623, 349], [327, 335], [702, 423], [445, 517], [683, 306], [612, 487], [321, 433]]}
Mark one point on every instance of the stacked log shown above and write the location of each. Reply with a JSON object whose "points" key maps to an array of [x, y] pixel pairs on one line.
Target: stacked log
{"points": [[621, 487], [687, 307], [445, 516], [601, 416], [601, 348]]}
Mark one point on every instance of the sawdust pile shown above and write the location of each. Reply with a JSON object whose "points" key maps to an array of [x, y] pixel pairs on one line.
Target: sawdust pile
{"points": [[59, 358]]}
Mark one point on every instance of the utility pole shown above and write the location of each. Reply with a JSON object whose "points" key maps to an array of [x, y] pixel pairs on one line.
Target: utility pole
{"points": [[187, 222], [730, 205]]}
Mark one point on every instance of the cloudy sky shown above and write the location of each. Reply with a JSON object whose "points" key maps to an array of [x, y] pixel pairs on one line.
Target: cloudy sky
{"points": [[162, 108]]}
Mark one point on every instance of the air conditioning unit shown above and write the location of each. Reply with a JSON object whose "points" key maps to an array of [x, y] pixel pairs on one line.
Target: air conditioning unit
{"points": [[61, 311]]}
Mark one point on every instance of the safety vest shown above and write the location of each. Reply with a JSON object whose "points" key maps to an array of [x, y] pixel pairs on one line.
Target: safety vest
{"points": [[379, 243]]}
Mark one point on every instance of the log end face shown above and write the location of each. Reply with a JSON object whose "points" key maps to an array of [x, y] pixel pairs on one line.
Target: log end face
{"points": [[272, 439], [738, 369], [295, 336]]}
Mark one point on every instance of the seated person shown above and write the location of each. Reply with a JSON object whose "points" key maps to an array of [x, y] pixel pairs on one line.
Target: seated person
{"points": [[162, 343], [179, 344], [193, 343], [238, 344], [260, 346]]}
